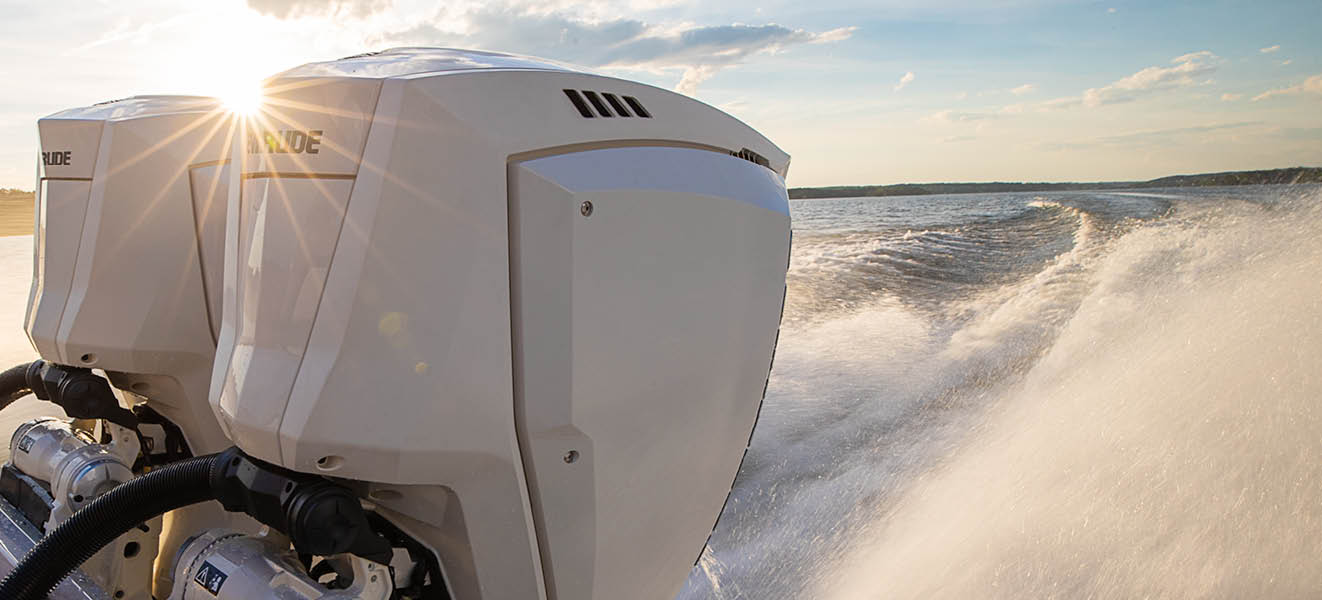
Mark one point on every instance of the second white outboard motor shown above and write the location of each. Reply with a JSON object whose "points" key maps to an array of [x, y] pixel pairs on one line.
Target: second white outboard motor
{"points": [[128, 269]]}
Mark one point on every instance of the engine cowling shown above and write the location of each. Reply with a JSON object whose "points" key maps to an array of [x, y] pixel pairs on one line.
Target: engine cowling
{"points": [[531, 309]]}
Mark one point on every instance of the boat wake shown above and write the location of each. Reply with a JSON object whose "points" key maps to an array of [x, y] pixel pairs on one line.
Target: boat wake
{"points": [[1132, 415]]}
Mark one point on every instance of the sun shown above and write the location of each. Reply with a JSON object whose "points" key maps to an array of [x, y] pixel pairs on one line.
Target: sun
{"points": [[243, 98]]}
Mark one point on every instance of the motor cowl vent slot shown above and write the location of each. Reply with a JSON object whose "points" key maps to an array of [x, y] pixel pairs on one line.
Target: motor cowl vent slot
{"points": [[591, 104], [752, 157]]}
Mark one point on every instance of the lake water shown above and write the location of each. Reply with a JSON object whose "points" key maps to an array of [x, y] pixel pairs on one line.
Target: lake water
{"points": [[1063, 394]]}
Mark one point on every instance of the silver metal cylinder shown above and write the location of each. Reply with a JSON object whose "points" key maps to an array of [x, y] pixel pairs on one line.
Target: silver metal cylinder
{"points": [[76, 469], [220, 564], [37, 446]]}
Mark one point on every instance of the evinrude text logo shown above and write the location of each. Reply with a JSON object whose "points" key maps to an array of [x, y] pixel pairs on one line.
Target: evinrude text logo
{"points": [[285, 141], [62, 158]]}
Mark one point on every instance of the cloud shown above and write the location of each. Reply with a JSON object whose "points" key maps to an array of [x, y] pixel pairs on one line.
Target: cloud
{"points": [[735, 106], [1162, 136], [124, 31], [958, 138], [1061, 103], [1228, 97], [1153, 137], [688, 84], [1307, 134], [286, 9], [1286, 62], [1312, 85], [1270, 49], [697, 52], [1110, 11], [951, 116], [904, 81], [1188, 70], [1185, 73], [838, 34], [1026, 88]]}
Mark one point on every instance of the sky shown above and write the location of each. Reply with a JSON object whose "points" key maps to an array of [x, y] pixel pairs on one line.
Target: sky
{"points": [[858, 92]]}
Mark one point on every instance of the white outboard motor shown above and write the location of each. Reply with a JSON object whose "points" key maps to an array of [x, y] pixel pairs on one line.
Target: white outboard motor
{"points": [[526, 311], [129, 249], [127, 278], [491, 327]]}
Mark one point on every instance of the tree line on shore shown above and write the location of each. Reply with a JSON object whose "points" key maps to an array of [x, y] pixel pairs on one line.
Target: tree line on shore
{"points": [[1294, 175]]}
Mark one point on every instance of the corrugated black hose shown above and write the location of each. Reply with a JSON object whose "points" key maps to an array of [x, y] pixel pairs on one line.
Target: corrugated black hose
{"points": [[106, 518], [14, 384]]}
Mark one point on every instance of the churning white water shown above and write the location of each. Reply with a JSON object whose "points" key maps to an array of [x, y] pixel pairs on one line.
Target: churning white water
{"points": [[1069, 395]]}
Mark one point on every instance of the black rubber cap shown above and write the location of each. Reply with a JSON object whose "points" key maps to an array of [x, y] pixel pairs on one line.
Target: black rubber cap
{"points": [[325, 519]]}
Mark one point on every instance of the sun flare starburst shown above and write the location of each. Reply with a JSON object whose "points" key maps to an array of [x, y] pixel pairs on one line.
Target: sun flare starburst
{"points": [[243, 98]]}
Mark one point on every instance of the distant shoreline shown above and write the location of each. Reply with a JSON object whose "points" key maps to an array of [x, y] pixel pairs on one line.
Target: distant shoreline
{"points": [[15, 212], [1293, 175], [16, 206]]}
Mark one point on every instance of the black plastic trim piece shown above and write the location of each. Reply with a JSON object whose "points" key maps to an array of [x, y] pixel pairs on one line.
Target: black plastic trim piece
{"points": [[29, 495], [596, 102], [578, 102], [616, 104], [295, 175], [320, 517], [637, 107], [752, 157], [81, 393]]}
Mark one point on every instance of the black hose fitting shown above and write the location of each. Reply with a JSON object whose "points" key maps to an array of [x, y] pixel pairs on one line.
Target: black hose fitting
{"points": [[80, 392], [319, 516]]}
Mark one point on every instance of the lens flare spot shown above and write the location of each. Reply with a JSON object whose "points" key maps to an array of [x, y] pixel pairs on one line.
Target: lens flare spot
{"points": [[392, 323], [244, 98]]}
